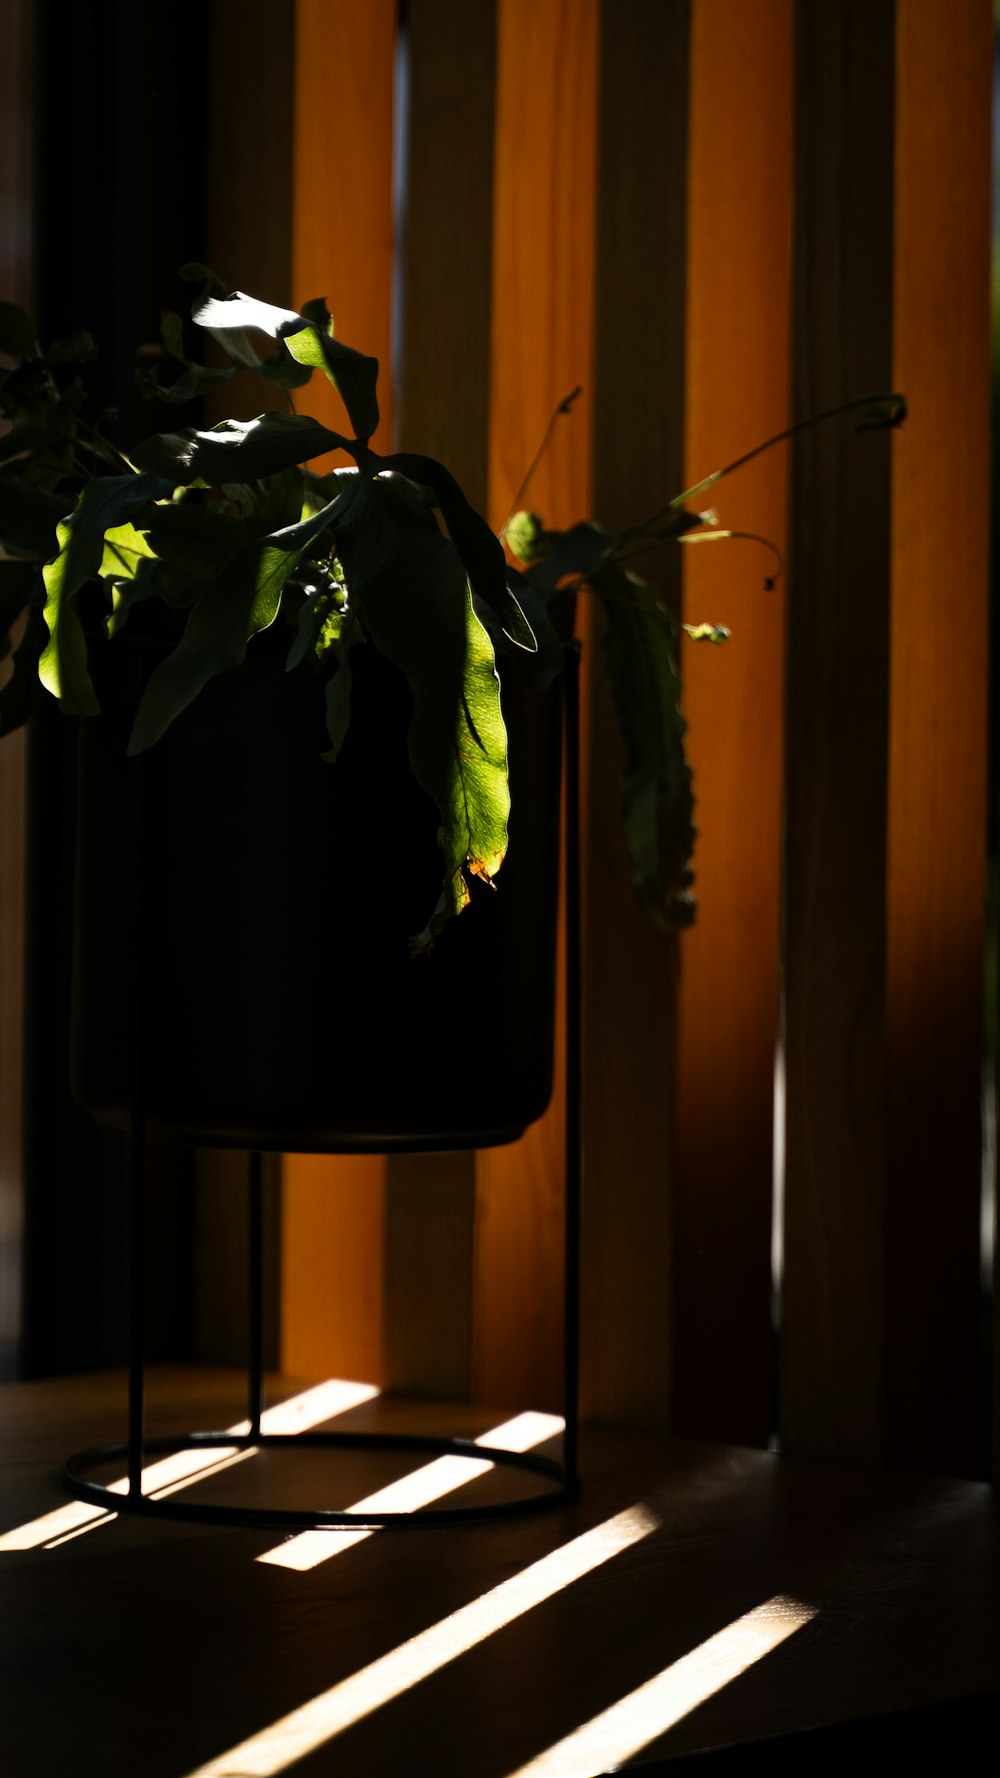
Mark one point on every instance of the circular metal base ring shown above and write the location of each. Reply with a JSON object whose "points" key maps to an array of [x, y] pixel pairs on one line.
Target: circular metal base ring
{"points": [[167, 1506]]}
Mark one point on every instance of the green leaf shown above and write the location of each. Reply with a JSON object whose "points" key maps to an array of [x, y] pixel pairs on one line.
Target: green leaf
{"points": [[233, 340], [481, 551], [338, 702], [309, 339], [62, 668], [17, 697], [190, 381], [104, 503], [535, 671], [243, 599], [124, 549], [281, 369], [198, 538], [579, 551], [412, 590], [524, 535], [640, 645], [153, 579], [17, 333], [236, 450]]}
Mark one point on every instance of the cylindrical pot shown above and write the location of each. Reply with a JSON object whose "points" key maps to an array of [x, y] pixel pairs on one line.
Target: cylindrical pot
{"points": [[249, 973]]}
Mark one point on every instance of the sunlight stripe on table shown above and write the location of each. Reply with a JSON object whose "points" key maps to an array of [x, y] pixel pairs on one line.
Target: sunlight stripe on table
{"points": [[316, 1722], [634, 1721], [168, 1474], [410, 1492]]}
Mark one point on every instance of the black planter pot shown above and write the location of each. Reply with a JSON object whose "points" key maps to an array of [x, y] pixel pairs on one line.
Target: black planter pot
{"points": [[244, 964]]}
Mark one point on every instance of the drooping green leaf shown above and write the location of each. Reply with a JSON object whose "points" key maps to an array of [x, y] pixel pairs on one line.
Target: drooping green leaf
{"points": [[311, 342], [640, 646], [243, 599], [579, 551], [481, 551], [62, 668], [321, 620], [338, 695], [104, 503], [538, 670], [236, 450], [183, 383], [17, 697], [412, 588], [233, 340], [17, 332]]}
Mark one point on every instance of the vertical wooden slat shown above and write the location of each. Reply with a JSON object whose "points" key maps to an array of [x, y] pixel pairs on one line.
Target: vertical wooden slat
{"points": [[332, 1224], [542, 322], [442, 389], [332, 1257], [837, 739], [737, 392], [249, 174], [248, 242], [937, 743], [15, 282], [342, 242], [630, 969]]}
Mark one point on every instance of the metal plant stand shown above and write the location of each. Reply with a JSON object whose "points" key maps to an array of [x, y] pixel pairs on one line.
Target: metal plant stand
{"points": [[562, 1475]]}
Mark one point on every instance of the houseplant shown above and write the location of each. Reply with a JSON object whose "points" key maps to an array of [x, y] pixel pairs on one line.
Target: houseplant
{"points": [[142, 580]]}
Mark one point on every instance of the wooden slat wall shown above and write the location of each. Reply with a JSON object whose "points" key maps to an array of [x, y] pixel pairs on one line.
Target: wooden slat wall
{"points": [[342, 248], [15, 224], [837, 738], [542, 343], [638, 242], [630, 971], [737, 393], [933, 1409], [443, 390]]}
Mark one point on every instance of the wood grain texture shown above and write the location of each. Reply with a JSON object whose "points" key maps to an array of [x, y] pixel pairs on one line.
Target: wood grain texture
{"points": [[219, 1321], [904, 1576], [630, 968], [442, 391], [541, 347], [342, 223], [429, 1203], [736, 393], [249, 217], [333, 1219], [938, 734], [15, 286], [447, 237], [249, 243], [332, 1260], [832, 1329]]}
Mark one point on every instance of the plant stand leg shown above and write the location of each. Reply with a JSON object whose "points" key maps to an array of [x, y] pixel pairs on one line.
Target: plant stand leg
{"points": [[255, 1293], [136, 1298], [574, 1053]]}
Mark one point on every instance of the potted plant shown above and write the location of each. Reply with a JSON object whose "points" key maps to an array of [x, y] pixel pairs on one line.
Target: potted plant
{"points": [[372, 615]]}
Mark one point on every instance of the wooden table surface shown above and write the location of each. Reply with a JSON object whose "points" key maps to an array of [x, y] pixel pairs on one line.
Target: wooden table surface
{"points": [[162, 1650]]}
